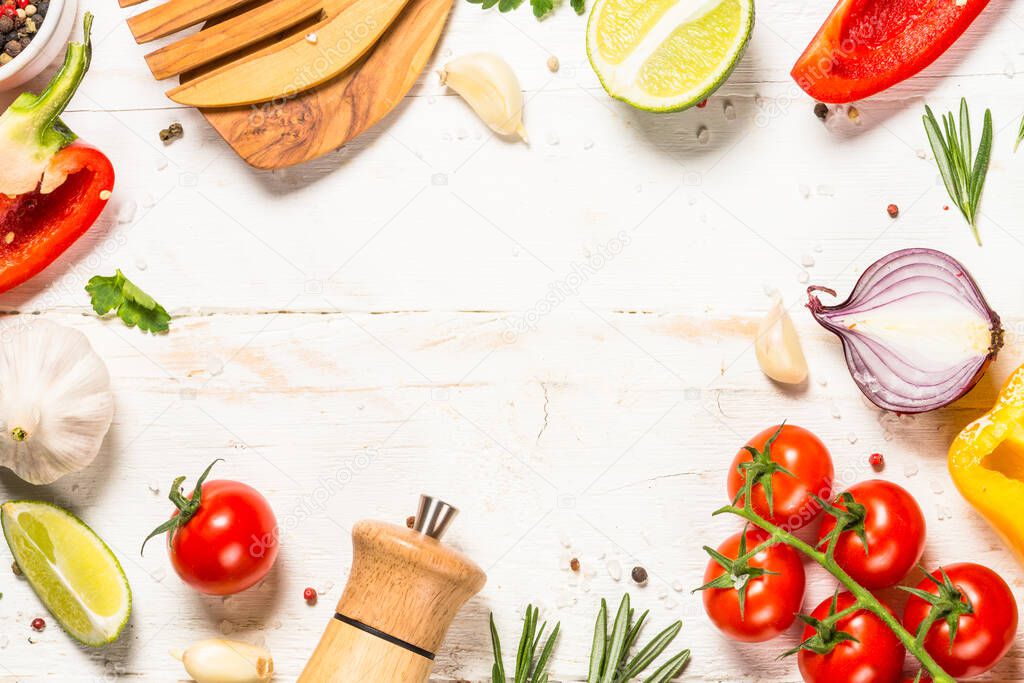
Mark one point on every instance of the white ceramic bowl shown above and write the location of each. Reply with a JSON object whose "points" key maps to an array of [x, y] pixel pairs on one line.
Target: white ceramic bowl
{"points": [[44, 49]]}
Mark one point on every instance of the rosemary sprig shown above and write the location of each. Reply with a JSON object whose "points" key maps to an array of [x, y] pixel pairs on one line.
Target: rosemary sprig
{"points": [[529, 668], [1020, 135], [610, 660], [963, 171]]}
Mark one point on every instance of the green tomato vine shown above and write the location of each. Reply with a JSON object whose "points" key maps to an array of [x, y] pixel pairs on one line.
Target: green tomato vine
{"points": [[948, 605]]}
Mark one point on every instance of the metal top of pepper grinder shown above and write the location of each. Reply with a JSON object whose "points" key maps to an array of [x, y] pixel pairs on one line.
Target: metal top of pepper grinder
{"points": [[434, 516]]}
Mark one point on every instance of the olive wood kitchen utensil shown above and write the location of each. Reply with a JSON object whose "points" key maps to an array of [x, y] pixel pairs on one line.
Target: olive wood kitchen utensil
{"points": [[344, 31], [403, 592], [318, 121]]}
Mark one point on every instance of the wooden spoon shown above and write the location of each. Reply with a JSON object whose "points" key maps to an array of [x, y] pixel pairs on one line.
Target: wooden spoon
{"points": [[318, 121], [297, 63]]}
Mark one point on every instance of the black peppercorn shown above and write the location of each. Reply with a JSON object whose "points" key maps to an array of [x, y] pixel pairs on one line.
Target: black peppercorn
{"points": [[171, 133], [639, 575], [821, 110], [6, 24], [13, 48]]}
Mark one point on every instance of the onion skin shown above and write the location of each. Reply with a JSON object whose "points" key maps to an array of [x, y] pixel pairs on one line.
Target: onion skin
{"points": [[895, 278]]}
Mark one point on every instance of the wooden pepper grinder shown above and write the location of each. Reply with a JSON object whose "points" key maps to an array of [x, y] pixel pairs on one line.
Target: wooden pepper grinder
{"points": [[403, 592]]}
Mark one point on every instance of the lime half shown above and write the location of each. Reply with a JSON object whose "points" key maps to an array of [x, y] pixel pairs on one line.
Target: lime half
{"points": [[667, 55], [71, 570]]}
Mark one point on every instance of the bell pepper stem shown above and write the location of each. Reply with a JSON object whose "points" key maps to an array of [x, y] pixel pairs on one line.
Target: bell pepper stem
{"points": [[38, 116], [864, 598]]}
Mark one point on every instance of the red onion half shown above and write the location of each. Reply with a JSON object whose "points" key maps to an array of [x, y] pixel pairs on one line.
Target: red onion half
{"points": [[916, 330]]}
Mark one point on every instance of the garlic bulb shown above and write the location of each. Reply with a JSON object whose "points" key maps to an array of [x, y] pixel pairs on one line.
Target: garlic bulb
{"points": [[226, 661], [55, 400], [491, 88], [778, 348]]}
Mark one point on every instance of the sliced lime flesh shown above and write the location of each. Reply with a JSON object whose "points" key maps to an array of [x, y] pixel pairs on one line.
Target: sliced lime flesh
{"points": [[667, 55], [70, 568]]}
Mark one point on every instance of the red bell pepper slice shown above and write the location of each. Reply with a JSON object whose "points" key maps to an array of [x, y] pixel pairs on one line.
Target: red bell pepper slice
{"points": [[866, 46], [52, 188], [36, 228]]}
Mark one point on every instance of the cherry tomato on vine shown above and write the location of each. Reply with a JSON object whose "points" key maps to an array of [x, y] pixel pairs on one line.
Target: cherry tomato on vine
{"points": [[767, 458], [744, 601], [223, 538], [887, 519], [981, 606], [860, 647]]}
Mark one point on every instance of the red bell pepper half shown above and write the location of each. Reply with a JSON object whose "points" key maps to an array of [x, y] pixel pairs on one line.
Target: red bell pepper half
{"points": [[866, 46], [52, 188]]}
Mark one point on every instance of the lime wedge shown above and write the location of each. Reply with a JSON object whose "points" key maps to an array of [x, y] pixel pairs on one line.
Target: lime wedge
{"points": [[71, 570], [667, 55]]}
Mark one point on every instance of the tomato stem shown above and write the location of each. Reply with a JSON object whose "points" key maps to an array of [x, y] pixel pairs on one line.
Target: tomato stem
{"points": [[187, 507], [864, 598]]}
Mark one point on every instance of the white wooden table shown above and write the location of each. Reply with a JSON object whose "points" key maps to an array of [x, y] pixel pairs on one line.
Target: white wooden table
{"points": [[556, 338]]}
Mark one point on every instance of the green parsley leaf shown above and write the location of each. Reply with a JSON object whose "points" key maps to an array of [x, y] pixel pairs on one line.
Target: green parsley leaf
{"points": [[541, 8], [133, 306]]}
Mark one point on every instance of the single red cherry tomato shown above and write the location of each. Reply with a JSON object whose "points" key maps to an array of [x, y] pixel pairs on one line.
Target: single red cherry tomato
{"points": [[802, 454], [876, 654], [987, 622], [893, 526], [223, 538], [772, 600]]}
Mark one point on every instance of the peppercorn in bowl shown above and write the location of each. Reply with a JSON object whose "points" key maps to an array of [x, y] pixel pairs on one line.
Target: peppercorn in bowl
{"points": [[33, 33]]}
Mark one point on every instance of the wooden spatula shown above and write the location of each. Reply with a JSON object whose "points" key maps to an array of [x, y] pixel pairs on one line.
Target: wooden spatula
{"points": [[321, 120], [344, 31]]}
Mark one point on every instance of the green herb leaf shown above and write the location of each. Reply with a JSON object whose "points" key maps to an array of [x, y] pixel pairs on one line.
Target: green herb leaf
{"points": [[617, 644], [541, 8], [1020, 135], [498, 670], [132, 305], [610, 660], [670, 669], [526, 671], [963, 169], [597, 649]]}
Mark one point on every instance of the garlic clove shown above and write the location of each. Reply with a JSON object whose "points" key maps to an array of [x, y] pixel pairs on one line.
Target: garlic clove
{"points": [[778, 349], [491, 88], [218, 660], [55, 400]]}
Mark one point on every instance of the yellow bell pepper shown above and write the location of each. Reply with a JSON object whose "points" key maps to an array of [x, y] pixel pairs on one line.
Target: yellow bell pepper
{"points": [[986, 462]]}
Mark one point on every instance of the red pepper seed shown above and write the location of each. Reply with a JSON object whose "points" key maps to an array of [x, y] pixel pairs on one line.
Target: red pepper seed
{"points": [[309, 595], [23, 3], [38, 624], [893, 210], [702, 104], [877, 461]]}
